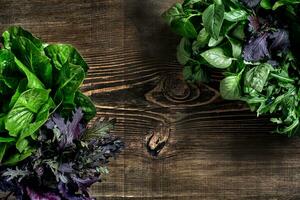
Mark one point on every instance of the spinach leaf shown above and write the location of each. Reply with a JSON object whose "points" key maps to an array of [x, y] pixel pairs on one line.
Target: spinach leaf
{"points": [[14, 32], [33, 58], [86, 105], [61, 54], [70, 78], [25, 109]]}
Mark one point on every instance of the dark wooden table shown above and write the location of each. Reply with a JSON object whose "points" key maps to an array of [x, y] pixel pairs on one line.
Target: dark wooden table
{"points": [[182, 142]]}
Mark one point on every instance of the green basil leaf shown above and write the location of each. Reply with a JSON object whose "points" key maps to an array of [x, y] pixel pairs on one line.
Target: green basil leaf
{"points": [[184, 51], [256, 77], [230, 88], [175, 12], [184, 27], [213, 18], [212, 42], [239, 32], [266, 4], [236, 15], [236, 47], [191, 2], [217, 58]]}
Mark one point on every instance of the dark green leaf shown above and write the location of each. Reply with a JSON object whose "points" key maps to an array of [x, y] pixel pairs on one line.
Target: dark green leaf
{"points": [[33, 58], [61, 54], [15, 32], [184, 51], [86, 105], [213, 18], [175, 12], [257, 76], [184, 27], [69, 79]]}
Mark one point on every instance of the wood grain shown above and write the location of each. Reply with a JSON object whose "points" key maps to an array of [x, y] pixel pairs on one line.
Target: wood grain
{"points": [[182, 141]]}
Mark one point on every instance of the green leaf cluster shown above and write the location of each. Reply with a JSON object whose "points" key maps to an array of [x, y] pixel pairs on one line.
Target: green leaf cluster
{"points": [[212, 35], [35, 80], [222, 28]]}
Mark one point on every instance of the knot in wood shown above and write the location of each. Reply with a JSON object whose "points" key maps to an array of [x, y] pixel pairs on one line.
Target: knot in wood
{"points": [[157, 139], [175, 89]]}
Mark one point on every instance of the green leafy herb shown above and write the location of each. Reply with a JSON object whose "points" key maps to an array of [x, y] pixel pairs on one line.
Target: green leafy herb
{"points": [[254, 42], [35, 79]]}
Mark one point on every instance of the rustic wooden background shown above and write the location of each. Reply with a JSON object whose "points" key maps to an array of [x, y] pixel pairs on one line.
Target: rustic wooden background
{"points": [[182, 142]]}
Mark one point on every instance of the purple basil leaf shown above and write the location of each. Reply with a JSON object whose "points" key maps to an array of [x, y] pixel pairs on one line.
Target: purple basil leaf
{"points": [[254, 23], [280, 40], [66, 168], [257, 49], [41, 196], [251, 3], [84, 184], [66, 194]]}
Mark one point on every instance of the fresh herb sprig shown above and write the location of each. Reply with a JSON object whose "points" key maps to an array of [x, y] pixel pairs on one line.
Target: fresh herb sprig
{"points": [[253, 42], [69, 159]]}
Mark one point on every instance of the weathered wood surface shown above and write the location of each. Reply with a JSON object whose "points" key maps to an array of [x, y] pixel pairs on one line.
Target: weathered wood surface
{"points": [[182, 142]]}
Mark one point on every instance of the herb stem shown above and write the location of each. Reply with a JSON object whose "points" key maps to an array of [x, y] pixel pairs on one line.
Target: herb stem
{"points": [[193, 15], [281, 78]]}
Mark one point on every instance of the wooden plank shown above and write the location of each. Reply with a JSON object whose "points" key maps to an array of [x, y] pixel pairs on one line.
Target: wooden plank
{"points": [[182, 142]]}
